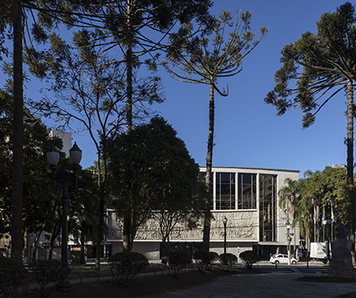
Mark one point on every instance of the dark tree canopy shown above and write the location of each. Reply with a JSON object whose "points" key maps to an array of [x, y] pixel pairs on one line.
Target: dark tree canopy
{"points": [[321, 65], [149, 168], [317, 63], [38, 193]]}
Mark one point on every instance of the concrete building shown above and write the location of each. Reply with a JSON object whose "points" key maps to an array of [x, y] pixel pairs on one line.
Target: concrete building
{"points": [[247, 197], [66, 139]]}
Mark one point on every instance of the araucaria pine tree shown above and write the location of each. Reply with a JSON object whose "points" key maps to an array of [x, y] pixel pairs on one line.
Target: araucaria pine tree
{"points": [[321, 65], [199, 59]]}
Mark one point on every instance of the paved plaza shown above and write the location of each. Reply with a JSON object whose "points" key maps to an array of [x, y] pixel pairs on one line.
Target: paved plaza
{"points": [[272, 283]]}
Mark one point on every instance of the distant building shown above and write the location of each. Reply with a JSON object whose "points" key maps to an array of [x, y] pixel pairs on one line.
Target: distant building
{"points": [[248, 197], [66, 139], [338, 166]]}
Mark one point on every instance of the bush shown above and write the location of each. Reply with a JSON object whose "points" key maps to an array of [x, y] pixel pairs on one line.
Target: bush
{"points": [[228, 259], [178, 260], [204, 259], [126, 265], [13, 276], [46, 272], [249, 257]]}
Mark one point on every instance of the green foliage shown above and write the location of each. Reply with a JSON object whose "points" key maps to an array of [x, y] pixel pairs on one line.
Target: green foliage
{"points": [[322, 189], [249, 257], [126, 265], [151, 169], [192, 59], [318, 62], [204, 259], [178, 259], [39, 212], [83, 210], [228, 259], [289, 196], [201, 62], [47, 272], [13, 277], [321, 65]]}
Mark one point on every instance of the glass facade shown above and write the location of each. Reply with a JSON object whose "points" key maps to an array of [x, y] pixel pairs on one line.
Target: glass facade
{"points": [[238, 191], [247, 190], [268, 207], [225, 191]]}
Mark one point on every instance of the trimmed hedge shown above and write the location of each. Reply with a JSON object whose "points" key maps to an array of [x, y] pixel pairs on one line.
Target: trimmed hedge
{"points": [[204, 259], [249, 257], [178, 260], [13, 276], [47, 272], [126, 265], [228, 259]]}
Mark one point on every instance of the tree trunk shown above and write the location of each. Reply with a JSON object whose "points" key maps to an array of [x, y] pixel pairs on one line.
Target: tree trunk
{"points": [[209, 164], [126, 237], [82, 248], [17, 189], [55, 233], [350, 156], [34, 246], [317, 222], [101, 215]]}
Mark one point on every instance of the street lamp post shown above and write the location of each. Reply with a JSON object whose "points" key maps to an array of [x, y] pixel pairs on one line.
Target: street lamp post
{"points": [[75, 155], [225, 222], [326, 224], [289, 239]]}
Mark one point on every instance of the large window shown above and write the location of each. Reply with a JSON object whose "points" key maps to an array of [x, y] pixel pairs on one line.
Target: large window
{"points": [[247, 191], [268, 207], [225, 191]]}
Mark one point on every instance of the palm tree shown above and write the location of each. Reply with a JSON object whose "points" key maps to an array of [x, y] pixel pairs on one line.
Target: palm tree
{"points": [[289, 196]]}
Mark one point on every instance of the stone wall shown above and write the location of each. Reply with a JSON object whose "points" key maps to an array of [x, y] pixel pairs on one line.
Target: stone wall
{"points": [[241, 225]]}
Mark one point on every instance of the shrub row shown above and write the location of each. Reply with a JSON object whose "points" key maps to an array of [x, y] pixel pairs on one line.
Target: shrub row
{"points": [[124, 268], [14, 277]]}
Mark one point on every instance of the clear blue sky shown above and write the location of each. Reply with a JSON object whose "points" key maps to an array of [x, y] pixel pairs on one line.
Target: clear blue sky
{"points": [[247, 131]]}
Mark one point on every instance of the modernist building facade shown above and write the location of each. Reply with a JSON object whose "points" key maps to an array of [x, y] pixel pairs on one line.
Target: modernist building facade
{"points": [[247, 197]]}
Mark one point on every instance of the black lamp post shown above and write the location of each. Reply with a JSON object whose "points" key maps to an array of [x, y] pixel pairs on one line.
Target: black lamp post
{"points": [[53, 157], [326, 224], [225, 222]]}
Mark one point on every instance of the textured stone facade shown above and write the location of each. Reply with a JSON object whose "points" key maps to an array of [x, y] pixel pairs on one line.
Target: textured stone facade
{"points": [[241, 225], [247, 197]]}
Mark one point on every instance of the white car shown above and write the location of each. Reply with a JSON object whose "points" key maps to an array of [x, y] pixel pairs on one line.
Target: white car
{"points": [[282, 259]]}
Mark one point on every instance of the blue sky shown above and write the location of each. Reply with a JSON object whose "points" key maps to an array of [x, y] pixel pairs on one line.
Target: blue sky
{"points": [[247, 131]]}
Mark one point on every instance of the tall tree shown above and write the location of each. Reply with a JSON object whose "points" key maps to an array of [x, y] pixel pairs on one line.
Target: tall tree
{"points": [[90, 90], [124, 25], [17, 186], [150, 168], [322, 64], [84, 212], [127, 21], [289, 196], [38, 212], [198, 62], [12, 12]]}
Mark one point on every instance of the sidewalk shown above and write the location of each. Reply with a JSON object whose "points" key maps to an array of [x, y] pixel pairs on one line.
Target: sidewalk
{"points": [[276, 285], [272, 281]]}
